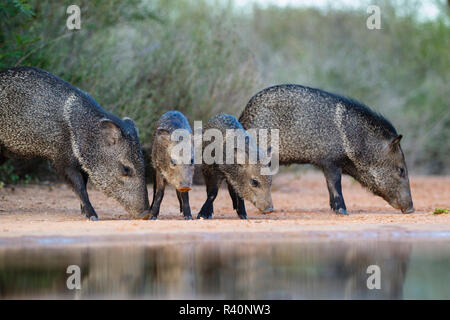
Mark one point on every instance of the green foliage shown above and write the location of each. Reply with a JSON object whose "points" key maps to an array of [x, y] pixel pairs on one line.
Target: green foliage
{"points": [[9, 175], [142, 58], [440, 211], [402, 70], [14, 15]]}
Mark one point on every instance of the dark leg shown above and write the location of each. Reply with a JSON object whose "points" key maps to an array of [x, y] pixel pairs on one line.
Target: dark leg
{"points": [[212, 188], [76, 180], [232, 195], [180, 201], [85, 181], [158, 190], [238, 203], [154, 189], [241, 208], [333, 177], [184, 202]]}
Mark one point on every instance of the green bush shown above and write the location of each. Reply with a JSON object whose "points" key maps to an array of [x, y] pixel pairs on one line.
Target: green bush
{"points": [[142, 58], [402, 70], [9, 175], [138, 59]]}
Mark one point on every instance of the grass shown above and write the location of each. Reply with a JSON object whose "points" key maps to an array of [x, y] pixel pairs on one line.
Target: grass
{"points": [[441, 211]]}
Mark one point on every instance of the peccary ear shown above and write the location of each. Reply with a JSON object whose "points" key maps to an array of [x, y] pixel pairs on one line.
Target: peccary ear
{"points": [[163, 135], [162, 132], [111, 132], [396, 142], [130, 122]]}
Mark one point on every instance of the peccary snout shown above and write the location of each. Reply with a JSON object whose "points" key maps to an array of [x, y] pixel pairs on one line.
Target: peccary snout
{"points": [[403, 199], [184, 188], [251, 185], [264, 206], [390, 176]]}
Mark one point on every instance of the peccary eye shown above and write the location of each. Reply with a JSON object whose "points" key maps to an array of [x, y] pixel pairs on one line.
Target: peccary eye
{"points": [[126, 171], [173, 162], [401, 172], [254, 183]]}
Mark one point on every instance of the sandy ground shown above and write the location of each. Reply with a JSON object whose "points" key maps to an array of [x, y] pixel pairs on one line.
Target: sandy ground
{"points": [[50, 215]]}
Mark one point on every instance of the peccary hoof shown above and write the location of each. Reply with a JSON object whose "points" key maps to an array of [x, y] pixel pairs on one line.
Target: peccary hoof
{"points": [[200, 216], [341, 211], [93, 218], [243, 216], [188, 218], [152, 217]]}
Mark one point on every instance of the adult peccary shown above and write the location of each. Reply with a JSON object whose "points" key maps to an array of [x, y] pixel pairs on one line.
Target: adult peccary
{"points": [[44, 116], [338, 135], [170, 167], [244, 181]]}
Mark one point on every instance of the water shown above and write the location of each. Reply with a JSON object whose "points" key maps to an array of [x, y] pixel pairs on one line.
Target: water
{"points": [[231, 270]]}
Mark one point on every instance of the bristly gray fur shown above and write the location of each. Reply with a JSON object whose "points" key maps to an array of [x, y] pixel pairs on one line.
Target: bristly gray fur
{"points": [[169, 170], [43, 116], [175, 175], [337, 134], [239, 177]]}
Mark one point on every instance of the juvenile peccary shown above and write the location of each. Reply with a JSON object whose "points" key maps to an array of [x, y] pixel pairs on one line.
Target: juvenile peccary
{"points": [[244, 181], [44, 116], [169, 165], [338, 135]]}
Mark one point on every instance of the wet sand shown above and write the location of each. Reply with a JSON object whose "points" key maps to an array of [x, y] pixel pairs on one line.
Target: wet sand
{"points": [[40, 215]]}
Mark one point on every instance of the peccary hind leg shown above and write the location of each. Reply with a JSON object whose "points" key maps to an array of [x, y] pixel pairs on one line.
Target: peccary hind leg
{"points": [[78, 182], [238, 203], [183, 198], [333, 177]]}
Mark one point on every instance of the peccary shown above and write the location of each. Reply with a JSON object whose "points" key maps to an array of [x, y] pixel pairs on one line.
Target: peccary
{"points": [[169, 166], [244, 181], [44, 116], [338, 135]]}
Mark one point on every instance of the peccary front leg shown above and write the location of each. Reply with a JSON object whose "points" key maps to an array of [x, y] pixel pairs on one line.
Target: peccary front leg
{"points": [[232, 195], [333, 177], [85, 180], [212, 188], [238, 203], [207, 209], [75, 178], [180, 201], [159, 185], [183, 197]]}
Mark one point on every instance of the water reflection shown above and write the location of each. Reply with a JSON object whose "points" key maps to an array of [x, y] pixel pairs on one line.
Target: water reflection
{"points": [[230, 271]]}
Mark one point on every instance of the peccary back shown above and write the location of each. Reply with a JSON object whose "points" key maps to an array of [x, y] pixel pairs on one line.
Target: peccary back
{"points": [[44, 116], [337, 134], [245, 180], [170, 166]]}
